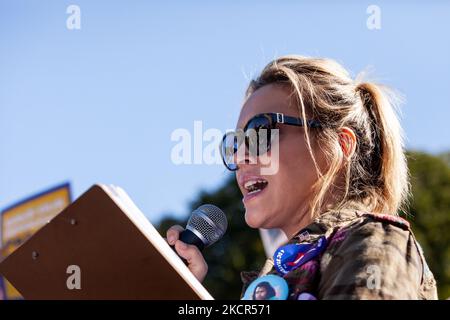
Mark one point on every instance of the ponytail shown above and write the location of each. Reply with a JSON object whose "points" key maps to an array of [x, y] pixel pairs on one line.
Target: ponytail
{"points": [[387, 159]]}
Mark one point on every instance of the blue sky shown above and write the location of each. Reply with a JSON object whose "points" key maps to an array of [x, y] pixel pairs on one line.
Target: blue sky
{"points": [[99, 104]]}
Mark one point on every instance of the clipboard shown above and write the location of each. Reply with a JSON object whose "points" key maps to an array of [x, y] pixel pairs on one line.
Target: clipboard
{"points": [[100, 247]]}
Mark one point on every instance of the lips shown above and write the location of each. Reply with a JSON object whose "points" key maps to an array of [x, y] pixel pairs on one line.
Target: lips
{"points": [[252, 186]]}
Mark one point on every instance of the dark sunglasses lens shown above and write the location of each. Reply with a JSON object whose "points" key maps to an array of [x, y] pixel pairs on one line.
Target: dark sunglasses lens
{"points": [[257, 141], [258, 135], [229, 147]]}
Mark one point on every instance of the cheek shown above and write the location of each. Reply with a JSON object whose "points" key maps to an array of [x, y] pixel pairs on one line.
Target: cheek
{"points": [[296, 167]]}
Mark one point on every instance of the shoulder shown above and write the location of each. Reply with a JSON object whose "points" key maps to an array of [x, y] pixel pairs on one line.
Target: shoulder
{"points": [[373, 256], [374, 228], [371, 230], [377, 238], [388, 219], [367, 232]]}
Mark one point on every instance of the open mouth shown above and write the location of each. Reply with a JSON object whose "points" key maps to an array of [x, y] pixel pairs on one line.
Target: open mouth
{"points": [[255, 186]]}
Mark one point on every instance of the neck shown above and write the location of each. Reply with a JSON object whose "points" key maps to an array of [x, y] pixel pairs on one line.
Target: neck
{"points": [[302, 218]]}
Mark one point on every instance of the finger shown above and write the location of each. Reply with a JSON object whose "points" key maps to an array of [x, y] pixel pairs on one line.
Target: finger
{"points": [[173, 233], [196, 262]]}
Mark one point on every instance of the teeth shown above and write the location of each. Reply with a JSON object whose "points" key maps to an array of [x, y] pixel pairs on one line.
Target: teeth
{"points": [[254, 185], [251, 183]]}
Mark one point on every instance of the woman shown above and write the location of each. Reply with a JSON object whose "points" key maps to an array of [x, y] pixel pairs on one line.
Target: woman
{"points": [[338, 178], [263, 291]]}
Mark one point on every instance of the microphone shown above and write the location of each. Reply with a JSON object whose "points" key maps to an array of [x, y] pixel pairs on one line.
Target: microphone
{"points": [[206, 225]]}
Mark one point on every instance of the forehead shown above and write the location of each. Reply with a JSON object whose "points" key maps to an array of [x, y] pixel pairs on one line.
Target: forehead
{"points": [[269, 98]]}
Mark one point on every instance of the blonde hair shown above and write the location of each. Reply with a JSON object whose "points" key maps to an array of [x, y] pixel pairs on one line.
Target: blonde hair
{"points": [[376, 176]]}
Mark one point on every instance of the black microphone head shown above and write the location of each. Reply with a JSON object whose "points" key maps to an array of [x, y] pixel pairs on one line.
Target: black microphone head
{"points": [[208, 222]]}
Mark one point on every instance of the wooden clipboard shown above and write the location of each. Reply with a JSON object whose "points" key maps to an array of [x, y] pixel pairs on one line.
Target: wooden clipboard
{"points": [[118, 253]]}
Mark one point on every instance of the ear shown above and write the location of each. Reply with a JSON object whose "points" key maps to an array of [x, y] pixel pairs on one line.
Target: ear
{"points": [[347, 140]]}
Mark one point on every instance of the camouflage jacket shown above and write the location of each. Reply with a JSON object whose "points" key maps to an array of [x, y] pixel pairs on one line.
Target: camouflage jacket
{"points": [[367, 256]]}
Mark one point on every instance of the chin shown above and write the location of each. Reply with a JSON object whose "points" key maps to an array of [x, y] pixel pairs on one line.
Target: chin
{"points": [[251, 219]]}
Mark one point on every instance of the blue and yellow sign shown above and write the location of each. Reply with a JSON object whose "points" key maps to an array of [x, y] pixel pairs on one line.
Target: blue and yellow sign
{"points": [[21, 220]]}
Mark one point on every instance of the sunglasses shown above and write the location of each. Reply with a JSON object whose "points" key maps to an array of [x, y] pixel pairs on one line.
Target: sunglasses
{"points": [[257, 136]]}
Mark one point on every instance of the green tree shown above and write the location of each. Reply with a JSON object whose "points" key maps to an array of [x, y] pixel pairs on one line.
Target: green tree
{"points": [[446, 157], [429, 213], [241, 249]]}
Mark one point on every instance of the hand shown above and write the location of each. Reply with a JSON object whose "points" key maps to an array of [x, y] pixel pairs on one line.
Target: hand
{"points": [[193, 256]]}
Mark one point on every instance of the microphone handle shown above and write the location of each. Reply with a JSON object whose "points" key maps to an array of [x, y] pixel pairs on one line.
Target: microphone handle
{"points": [[188, 237]]}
